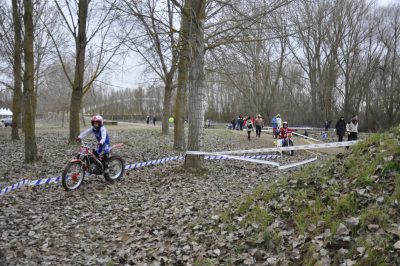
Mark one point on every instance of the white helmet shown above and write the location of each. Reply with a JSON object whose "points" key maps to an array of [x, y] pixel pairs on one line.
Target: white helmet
{"points": [[97, 118]]}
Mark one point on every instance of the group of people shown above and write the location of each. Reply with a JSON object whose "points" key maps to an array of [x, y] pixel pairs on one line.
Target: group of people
{"points": [[238, 123], [276, 124], [248, 123], [351, 128], [280, 128], [258, 123], [148, 120], [209, 123]]}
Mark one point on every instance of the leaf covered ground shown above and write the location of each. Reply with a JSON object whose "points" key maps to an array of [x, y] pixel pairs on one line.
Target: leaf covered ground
{"points": [[153, 216], [341, 210]]}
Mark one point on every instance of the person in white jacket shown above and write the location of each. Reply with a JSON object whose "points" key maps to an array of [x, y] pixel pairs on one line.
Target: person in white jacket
{"points": [[352, 128], [279, 121], [249, 126]]}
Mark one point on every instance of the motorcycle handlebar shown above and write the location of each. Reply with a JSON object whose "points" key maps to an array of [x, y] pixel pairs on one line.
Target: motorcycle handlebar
{"points": [[85, 144]]}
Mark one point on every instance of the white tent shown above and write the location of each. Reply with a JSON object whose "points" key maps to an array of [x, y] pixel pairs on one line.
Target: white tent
{"points": [[5, 111]]}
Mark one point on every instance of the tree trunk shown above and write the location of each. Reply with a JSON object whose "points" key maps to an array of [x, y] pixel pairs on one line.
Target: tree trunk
{"points": [[181, 95], [29, 89], [62, 120], [77, 90], [167, 105], [74, 110], [83, 118], [17, 71], [196, 85], [313, 92]]}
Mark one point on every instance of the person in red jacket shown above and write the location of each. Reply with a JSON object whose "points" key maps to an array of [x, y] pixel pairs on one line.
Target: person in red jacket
{"points": [[285, 133]]}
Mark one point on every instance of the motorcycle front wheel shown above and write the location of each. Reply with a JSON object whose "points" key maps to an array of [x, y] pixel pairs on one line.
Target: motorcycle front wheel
{"points": [[72, 176], [290, 142], [116, 168]]}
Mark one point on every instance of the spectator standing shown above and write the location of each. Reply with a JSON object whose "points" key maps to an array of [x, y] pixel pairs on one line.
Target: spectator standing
{"points": [[233, 122], [242, 121], [352, 128], [340, 128], [249, 127], [238, 121], [259, 125], [154, 120], [279, 121], [276, 125], [148, 120]]}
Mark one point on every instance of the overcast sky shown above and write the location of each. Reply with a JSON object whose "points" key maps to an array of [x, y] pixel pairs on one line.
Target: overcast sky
{"points": [[129, 72], [386, 2]]}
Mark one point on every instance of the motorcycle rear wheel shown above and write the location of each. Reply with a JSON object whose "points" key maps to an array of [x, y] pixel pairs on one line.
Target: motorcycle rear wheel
{"points": [[72, 176]]}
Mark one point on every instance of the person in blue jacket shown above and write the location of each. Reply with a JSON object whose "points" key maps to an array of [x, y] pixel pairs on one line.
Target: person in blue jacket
{"points": [[276, 125]]}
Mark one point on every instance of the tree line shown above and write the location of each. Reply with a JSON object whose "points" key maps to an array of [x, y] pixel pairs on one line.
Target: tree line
{"points": [[309, 60]]}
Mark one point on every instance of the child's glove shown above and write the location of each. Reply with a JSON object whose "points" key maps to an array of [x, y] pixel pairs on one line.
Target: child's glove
{"points": [[78, 139], [100, 144]]}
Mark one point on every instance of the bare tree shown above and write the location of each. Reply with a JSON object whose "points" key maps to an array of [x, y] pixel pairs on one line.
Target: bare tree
{"points": [[155, 41], [53, 97], [29, 86], [181, 95], [17, 71], [356, 66], [11, 39], [86, 23], [311, 16], [389, 81], [13, 48], [196, 83]]}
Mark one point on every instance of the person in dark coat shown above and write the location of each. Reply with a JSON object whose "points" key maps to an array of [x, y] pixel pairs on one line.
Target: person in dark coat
{"points": [[341, 128]]}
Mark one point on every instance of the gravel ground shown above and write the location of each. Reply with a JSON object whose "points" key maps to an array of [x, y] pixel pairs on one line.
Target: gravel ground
{"points": [[145, 219]]}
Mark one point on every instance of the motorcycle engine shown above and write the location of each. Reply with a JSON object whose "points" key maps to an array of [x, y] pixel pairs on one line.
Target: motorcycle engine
{"points": [[96, 168]]}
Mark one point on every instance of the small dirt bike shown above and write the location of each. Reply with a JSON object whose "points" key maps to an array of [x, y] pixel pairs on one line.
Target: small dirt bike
{"points": [[87, 162]]}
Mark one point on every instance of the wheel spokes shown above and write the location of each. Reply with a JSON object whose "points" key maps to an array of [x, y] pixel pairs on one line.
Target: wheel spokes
{"points": [[74, 176], [115, 168]]}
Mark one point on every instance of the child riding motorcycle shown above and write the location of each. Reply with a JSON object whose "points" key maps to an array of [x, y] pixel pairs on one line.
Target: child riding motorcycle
{"points": [[101, 135], [285, 134]]}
